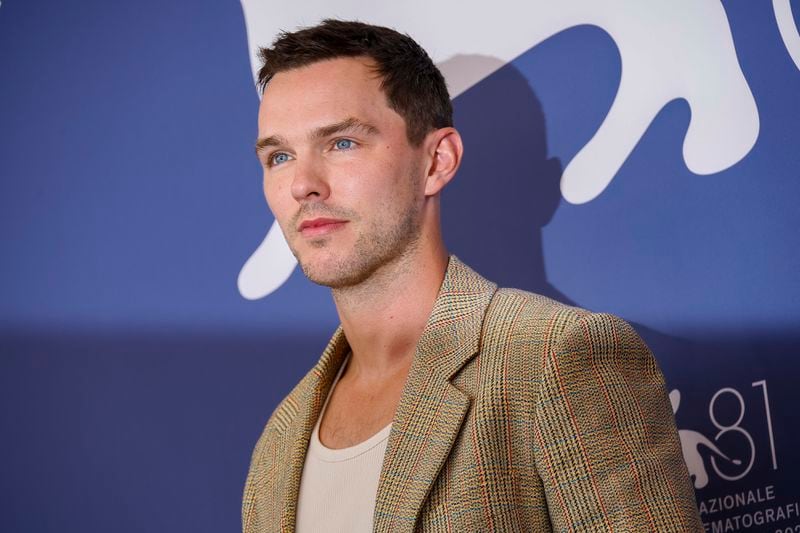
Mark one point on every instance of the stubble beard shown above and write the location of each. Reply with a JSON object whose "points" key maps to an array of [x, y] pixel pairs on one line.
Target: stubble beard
{"points": [[374, 248]]}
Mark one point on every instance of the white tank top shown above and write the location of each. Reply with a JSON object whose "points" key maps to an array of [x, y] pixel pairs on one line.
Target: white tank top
{"points": [[338, 487]]}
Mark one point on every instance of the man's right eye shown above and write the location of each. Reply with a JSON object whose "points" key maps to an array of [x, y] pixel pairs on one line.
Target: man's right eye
{"points": [[278, 158]]}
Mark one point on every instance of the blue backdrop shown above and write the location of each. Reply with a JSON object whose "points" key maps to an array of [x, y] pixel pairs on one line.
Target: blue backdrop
{"points": [[135, 379]]}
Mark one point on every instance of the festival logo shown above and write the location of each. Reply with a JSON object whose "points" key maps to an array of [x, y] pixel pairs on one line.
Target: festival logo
{"points": [[691, 444], [731, 465]]}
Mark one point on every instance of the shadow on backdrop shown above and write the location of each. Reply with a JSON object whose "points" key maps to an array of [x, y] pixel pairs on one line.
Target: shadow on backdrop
{"points": [[507, 189]]}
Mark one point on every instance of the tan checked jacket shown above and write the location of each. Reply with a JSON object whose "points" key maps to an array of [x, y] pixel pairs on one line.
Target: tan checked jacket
{"points": [[519, 414]]}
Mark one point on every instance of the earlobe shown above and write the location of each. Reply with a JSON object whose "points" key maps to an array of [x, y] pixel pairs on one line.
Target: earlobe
{"points": [[446, 150]]}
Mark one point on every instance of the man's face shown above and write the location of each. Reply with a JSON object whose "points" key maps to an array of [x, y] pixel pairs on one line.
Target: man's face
{"points": [[340, 176]]}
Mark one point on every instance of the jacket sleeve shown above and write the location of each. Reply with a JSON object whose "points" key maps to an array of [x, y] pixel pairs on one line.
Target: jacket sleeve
{"points": [[606, 444]]}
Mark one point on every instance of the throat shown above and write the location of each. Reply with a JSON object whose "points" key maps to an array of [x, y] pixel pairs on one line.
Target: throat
{"points": [[357, 409]]}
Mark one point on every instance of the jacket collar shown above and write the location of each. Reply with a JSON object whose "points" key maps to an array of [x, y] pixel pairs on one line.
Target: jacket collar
{"points": [[310, 396], [430, 412]]}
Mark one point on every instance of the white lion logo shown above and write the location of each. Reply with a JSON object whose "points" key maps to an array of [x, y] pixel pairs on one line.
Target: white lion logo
{"points": [[690, 446]]}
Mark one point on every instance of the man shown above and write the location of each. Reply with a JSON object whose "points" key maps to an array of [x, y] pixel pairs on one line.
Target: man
{"points": [[441, 403]]}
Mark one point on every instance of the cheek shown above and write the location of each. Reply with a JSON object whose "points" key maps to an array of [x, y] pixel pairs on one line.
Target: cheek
{"points": [[267, 194], [373, 180], [273, 194]]}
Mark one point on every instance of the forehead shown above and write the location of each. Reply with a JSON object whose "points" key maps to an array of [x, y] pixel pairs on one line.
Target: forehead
{"points": [[323, 93]]}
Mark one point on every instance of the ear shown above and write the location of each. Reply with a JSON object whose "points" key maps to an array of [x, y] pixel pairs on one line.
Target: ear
{"points": [[445, 150]]}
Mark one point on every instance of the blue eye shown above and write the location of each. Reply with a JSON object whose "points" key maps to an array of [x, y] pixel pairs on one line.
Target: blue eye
{"points": [[279, 158], [344, 144]]}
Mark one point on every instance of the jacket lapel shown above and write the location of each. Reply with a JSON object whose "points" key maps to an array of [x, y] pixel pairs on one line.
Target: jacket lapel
{"points": [[431, 410], [308, 398]]}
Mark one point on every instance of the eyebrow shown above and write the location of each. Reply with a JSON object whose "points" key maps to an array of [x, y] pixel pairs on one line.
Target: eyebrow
{"points": [[266, 142], [348, 124]]}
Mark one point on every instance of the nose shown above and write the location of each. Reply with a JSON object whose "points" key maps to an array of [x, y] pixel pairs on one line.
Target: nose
{"points": [[310, 181]]}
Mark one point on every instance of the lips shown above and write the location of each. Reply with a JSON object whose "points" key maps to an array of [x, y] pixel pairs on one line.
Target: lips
{"points": [[319, 226]]}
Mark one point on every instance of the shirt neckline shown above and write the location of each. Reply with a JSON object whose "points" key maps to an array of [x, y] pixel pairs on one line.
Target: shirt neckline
{"points": [[331, 455]]}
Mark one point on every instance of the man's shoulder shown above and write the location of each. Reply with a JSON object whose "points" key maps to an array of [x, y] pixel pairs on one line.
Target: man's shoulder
{"points": [[523, 310], [521, 317]]}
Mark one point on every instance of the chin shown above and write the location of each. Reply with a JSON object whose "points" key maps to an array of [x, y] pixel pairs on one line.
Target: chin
{"points": [[333, 278], [318, 269], [335, 272]]}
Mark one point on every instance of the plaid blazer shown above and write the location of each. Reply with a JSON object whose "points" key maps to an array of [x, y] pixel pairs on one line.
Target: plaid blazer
{"points": [[518, 414]]}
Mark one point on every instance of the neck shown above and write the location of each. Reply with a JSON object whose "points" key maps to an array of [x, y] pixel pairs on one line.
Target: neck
{"points": [[384, 316]]}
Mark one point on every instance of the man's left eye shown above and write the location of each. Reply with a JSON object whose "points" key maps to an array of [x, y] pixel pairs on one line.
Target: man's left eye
{"points": [[344, 144]]}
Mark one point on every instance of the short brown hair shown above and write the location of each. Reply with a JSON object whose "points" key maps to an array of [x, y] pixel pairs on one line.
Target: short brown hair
{"points": [[414, 87]]}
